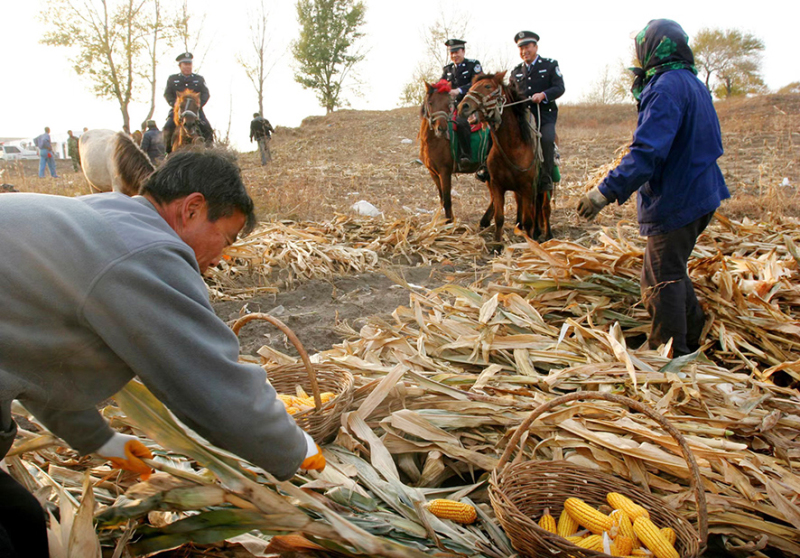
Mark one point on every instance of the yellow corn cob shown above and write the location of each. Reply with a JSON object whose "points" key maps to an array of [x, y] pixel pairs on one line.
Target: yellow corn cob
{"points": [[641, 552], [621, 546], [574, 539], [587, 516], [620, 502], [592, 542], [670, 535], [450, 509], [567, 526], [548, 522], [624, 526], [652, 538]]}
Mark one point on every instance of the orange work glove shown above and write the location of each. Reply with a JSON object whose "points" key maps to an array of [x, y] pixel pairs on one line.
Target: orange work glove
{"points": [[314, 460], [126, 452]]}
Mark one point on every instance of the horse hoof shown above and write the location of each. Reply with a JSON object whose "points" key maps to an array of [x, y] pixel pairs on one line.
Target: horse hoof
{"points": [[495, 247], [484, 224]]}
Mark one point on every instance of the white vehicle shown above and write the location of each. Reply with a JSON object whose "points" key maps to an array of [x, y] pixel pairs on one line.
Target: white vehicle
{"points": [[15, 153]]}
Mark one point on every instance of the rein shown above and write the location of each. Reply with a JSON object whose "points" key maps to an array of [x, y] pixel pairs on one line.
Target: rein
{"points": [[492, 106]]}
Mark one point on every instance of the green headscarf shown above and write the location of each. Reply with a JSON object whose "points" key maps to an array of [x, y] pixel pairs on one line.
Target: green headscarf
{"points": [[661, 46]]}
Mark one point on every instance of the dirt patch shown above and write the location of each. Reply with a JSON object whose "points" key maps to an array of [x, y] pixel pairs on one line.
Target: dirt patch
{"points": [[320, 311]]}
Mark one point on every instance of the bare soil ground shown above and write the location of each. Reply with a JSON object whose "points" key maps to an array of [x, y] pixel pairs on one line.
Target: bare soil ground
{"points": [[322, 167]]}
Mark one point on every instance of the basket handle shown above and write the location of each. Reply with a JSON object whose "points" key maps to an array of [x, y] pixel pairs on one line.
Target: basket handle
{"points": [[696, 482], [312, 377]]}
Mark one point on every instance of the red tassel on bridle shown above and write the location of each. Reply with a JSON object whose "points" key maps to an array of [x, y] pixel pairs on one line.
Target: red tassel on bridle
{"points": [[443, 86]]}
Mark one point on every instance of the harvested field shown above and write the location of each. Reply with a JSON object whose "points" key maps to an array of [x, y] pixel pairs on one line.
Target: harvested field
{"points": [[451, 348]]}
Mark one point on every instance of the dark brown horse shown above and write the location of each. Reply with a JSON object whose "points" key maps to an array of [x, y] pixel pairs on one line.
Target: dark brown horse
{"points": [[513, 163], [435, 131], [186, 115]]}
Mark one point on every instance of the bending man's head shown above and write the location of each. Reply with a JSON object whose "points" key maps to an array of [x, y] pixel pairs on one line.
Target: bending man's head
{"points": [[202, 197]]}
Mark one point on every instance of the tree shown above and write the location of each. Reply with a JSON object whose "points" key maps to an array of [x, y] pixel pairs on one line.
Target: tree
{"points": [[155, 31], [258, 63], [611, 86], [729, 60], [329, 31], [453, 24], [108, 43], [189, 33]]}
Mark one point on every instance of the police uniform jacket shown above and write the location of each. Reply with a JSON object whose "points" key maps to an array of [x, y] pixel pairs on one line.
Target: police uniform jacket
{"points": [[178, 82], [460, 77], [543, 76]]}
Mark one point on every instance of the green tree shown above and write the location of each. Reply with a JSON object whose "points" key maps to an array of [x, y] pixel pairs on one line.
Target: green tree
{"points": [[107, 40], [327, 48], [729, 61]]}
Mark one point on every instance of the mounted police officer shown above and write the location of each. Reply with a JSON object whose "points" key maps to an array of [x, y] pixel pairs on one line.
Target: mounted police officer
{"points": [[540, 79], [179, 82], [459, 72]]}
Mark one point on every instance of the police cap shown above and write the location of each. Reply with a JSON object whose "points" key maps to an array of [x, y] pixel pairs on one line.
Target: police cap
{"points": [[524, 37], [454, 44], [184, 57]]}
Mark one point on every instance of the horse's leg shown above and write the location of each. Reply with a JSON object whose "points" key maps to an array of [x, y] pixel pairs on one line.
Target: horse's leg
{"points": [[445, 179], [498, 202], [487, 215], [525, 203], [544, 214], [536, 209]]}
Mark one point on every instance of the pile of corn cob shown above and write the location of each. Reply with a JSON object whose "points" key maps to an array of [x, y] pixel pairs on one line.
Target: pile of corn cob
{"points": [[626, 531], [302, 401]]}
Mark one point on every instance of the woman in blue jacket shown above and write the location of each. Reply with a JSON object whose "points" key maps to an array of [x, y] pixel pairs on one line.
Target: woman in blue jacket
{"points": [[672, 164]]}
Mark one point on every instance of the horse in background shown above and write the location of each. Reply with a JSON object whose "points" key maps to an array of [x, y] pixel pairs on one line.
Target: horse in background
{"points": [[434, 136], [112, 161], [186, 115], [513, 163]]}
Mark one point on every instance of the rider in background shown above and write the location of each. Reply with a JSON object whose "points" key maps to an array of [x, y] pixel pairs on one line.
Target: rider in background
{"points": [[459, 72], [540, 80], [179, 82]]}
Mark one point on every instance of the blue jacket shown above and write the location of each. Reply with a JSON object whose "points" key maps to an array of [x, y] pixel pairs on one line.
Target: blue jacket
{"points": [[673, 157]]}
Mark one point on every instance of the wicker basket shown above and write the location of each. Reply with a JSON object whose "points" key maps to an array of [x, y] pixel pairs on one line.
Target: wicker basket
{"points": [[322, 422], [520, 492]]}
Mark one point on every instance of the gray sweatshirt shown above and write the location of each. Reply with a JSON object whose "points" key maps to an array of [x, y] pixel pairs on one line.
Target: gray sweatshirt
{"points": [[99, 289]]}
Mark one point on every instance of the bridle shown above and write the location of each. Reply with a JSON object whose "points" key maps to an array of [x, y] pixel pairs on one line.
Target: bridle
{"points": [[489, 104], [432, 117]]}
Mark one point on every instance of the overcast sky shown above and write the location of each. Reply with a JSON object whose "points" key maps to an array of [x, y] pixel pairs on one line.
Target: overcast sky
{"points": [[39, 87]]}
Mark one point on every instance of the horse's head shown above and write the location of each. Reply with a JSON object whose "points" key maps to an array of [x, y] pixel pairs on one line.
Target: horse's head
{"points": [[190, 126], [186, 100], [484, 100], [436, 108]]}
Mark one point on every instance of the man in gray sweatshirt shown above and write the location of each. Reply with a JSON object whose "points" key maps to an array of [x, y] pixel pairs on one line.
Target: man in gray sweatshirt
{"points": [[99, 289]]}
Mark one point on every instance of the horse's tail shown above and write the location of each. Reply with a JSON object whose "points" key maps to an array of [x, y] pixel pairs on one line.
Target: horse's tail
{"points": [[130, 164]]}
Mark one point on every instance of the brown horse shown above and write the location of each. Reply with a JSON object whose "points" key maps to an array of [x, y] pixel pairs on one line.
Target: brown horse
{"points": [[435, 131], [186, 115], [513, 163]]}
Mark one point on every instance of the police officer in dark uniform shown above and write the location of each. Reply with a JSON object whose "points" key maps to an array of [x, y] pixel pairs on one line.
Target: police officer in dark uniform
{"points": [[540, 79], [459, 73], [177, 83]]}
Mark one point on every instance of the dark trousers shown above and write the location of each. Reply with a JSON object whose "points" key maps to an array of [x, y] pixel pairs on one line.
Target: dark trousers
{"points": [[23, 529], [667, 291], [548, 131], [464, 131]]}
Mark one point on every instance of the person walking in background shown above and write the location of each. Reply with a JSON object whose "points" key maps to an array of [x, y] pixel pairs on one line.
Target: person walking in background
{"points": [[46, 155], [261, 130], [73, 152], [153, 143], [672, 164], [540, 80]]}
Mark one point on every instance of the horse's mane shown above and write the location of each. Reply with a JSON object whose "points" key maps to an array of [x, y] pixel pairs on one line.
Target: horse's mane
{"points": [[131, 164]]}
